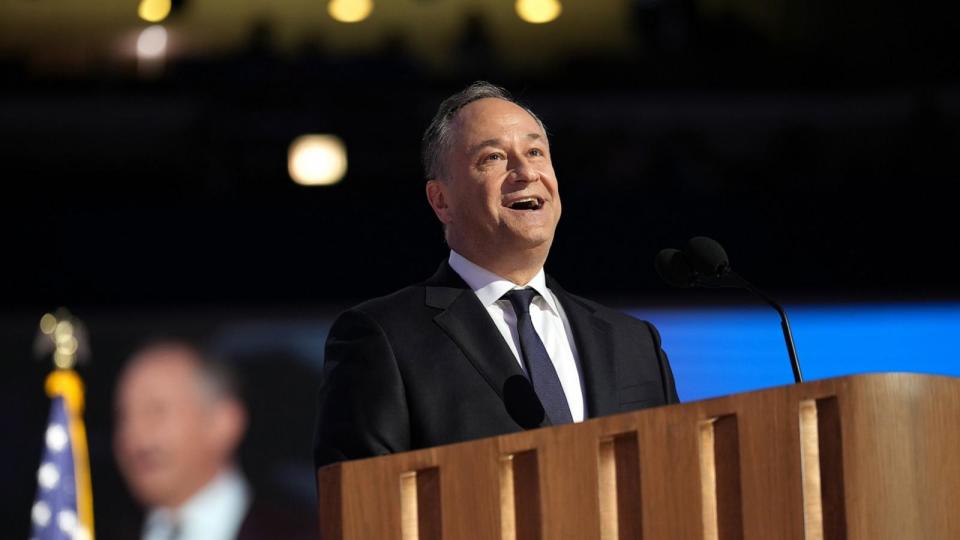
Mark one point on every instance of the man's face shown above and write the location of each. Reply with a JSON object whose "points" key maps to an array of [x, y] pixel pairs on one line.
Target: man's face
{"points": [[166, 435], [499, 190]]}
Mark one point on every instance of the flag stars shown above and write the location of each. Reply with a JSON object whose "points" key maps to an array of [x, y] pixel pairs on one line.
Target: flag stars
{"points": [[48, 476], [67, 521], [56, 437], [40, 513]]}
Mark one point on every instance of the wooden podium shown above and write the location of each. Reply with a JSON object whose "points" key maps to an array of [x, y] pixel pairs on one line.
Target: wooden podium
{"points": [[866, 457]]}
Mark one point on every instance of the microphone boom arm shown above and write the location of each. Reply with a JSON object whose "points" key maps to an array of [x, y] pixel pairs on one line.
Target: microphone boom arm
{"points": [[784, 322]]}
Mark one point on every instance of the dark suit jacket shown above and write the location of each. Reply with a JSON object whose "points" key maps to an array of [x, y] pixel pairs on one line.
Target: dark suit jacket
{"points": [[426, 366], [286, 519]]}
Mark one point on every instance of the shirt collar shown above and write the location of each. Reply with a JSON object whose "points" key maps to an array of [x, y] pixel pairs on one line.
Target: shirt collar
{"points": [[223, 499], [489, 287]]}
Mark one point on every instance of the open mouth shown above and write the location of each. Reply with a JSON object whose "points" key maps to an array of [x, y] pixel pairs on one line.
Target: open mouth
{"points": [[526, 203]]}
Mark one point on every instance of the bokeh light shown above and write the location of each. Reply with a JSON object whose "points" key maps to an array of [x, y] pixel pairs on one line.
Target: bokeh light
{"points": [[350, 11], [538, 11], [48, 323], [152, 42], [154, 10], [317, 160]]}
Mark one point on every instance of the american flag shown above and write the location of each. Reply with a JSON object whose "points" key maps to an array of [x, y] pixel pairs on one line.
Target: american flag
{"points": [[63, 509]]}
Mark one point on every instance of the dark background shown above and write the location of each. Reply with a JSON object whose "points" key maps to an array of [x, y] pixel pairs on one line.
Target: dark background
{"points": [[820, 150]]}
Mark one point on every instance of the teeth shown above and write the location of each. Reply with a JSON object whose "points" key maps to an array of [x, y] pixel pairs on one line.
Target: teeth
{"points": [[532, 203]]}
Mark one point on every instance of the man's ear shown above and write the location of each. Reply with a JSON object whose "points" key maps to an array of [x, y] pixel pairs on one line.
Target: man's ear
{"points": [[437, 197], [229, 425]]}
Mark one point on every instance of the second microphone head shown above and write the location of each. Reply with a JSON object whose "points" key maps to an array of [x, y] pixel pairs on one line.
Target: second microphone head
{"points": [[707, 256], [673, 268]]}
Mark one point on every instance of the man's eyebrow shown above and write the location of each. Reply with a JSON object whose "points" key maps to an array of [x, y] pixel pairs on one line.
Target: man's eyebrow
{"points": [[538, 138], [489, 142], [498, 142]]}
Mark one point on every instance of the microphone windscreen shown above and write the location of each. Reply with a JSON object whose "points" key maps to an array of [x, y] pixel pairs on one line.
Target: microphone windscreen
{"points": [[522, 402], [707, 256], [673, 268]]}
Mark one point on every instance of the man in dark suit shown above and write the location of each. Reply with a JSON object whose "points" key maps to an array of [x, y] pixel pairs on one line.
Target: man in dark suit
{"points": [[490, 344]]}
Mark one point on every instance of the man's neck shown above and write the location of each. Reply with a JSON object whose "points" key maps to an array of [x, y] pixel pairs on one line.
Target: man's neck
{"points": [[200, 482], [516, 272], [517, 266], [216, 510], [520, 276]]}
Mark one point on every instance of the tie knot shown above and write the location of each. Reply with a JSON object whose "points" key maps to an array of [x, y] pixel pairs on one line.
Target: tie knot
{"points": [[520, 298]]}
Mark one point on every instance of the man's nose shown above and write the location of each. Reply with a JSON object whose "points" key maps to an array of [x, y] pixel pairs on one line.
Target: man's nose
{"points": [[525, 172]]}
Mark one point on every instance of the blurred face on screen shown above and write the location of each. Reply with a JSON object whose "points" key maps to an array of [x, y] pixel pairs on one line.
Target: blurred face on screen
{"points": [[172, 435], [498, 197]]}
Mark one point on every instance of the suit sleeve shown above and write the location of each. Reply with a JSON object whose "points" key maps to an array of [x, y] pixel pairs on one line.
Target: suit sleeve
{"points": [[362, 407], [666, 373]]}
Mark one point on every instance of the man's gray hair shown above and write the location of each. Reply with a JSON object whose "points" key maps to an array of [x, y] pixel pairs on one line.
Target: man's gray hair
{"points": [[215, 377], [437, 138]]}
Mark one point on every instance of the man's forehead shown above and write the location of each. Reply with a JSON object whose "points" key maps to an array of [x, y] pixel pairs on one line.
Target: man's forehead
{"points": [[164, 369], [494, 109], [487, 120]]}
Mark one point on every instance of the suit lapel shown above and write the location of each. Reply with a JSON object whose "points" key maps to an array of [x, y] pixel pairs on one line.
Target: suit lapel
{"points": [[468, 324], [592, 336]]}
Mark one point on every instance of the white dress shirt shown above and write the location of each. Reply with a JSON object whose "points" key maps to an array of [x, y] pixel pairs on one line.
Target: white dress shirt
{"points": [[214, 513], [546, 313]]}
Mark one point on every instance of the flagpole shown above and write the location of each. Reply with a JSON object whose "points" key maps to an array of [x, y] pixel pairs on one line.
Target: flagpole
{"points": [[66, 336]]}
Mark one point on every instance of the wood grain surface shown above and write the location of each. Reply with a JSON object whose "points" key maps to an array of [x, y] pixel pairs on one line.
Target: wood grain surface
{"points": [[865, 457]]}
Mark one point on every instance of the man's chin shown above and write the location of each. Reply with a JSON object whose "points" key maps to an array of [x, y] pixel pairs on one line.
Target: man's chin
{"points": [[533, 243], [153, 491]]}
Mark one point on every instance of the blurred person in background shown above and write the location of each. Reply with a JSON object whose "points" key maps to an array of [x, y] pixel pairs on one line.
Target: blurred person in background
{"points": [[179, 422]]}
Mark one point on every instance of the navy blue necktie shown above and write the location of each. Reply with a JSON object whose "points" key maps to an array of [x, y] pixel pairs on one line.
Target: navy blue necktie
{"points": [[540, 369]]}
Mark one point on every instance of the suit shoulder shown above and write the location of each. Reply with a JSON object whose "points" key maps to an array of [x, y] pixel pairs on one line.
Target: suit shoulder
{"points": [[611, 314], [397, 304]]}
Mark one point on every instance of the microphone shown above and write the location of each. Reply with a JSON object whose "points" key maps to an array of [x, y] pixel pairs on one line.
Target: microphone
{"points": [[705, 264], [673, 267]]}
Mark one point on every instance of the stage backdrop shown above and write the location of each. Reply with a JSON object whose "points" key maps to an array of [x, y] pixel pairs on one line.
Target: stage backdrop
{"points": [[718, 351]]}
